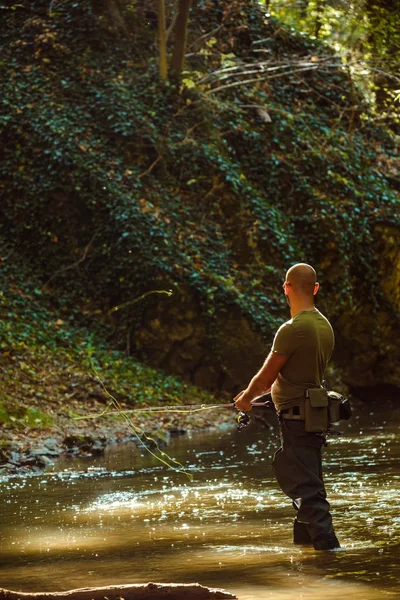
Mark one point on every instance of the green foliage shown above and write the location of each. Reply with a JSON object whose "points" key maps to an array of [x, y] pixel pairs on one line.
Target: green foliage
{"points": [[4, 415], [18, 415], [365, 33], [47, 359], [114, 183]]}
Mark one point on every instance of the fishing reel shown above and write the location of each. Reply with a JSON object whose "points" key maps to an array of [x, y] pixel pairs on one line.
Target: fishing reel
{"points": [[242, 420]]}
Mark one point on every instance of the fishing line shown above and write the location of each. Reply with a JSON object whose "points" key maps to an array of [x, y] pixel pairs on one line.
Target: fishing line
{"points": [[137, 431], [187, 408], [170, 462]]}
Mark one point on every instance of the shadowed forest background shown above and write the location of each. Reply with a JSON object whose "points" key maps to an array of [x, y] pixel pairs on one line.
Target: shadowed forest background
{"points": [[201, 149]]}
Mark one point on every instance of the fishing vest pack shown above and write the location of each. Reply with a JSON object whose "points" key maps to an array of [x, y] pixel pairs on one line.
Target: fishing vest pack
{"points": [[323, 408]]}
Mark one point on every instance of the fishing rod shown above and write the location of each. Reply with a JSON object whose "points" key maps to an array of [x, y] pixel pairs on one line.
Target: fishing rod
{"points": [[190, 407], [243, 418]]}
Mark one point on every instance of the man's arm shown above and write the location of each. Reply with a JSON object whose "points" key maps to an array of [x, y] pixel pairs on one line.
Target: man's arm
{"points": [[262, 382]]}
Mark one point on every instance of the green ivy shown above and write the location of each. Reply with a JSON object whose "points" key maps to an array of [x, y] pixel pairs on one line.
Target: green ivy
{"points": [[113, 183]]}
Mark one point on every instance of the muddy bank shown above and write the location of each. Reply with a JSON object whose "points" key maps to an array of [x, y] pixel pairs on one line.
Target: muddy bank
{"points": [[149, 591], [31, 450]]}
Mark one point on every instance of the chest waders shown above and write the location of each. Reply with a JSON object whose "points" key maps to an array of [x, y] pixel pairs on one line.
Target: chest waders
{"points": [[298, 469]]}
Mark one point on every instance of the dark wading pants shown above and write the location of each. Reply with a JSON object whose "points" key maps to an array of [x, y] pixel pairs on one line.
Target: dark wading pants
{"points": [[298, 470]]}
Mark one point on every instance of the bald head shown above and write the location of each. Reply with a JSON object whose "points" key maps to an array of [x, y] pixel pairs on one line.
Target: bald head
{"points": [[302, 278]]}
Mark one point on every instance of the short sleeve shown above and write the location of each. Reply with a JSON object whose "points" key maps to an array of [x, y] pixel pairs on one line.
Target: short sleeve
{"points": [[285, 341]]}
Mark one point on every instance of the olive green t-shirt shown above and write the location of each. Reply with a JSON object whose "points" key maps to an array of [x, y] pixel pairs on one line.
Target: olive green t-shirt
{"points": [[307, 340]]}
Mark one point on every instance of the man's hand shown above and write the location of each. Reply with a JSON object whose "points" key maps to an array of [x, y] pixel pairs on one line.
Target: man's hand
{"points": [[243, 401]]}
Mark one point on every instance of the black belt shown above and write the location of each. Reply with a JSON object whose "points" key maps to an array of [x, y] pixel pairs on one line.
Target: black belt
{"points": [[294, 410]]}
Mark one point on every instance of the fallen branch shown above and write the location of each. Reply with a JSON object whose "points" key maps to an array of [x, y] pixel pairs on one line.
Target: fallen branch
{"points": [[138, 591], [255, 79]]}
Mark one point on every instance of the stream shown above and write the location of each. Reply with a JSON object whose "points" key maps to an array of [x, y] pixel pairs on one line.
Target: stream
{"points": [[126, 518]]}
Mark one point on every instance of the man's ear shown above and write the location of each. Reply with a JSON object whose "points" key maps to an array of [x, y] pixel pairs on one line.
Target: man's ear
{"points": [[316, 288]]}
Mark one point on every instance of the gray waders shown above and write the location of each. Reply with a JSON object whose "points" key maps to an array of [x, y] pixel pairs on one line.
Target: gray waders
{"points": [[298, 470]]}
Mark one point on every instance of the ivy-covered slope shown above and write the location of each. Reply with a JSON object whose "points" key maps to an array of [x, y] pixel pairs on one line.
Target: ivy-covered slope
{"points": [[113, 184], [51, 358]]}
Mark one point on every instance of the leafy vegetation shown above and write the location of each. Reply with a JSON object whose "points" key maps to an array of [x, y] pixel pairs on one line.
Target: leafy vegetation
{"points": [[366, 35], [115, 183], [47, 361]]}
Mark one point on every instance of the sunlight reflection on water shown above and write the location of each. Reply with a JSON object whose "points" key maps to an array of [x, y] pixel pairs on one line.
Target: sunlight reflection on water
{"points": [[125, 519]]}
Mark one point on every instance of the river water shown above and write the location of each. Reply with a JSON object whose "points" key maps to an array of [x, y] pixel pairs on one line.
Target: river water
{"points": [[125, 518]]}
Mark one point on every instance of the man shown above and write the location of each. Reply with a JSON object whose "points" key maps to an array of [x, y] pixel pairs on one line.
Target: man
{"points": [[296, 363]]}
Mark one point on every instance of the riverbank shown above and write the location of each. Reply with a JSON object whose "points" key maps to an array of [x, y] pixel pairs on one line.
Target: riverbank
{"points": [[93, 427], [59, 366]]}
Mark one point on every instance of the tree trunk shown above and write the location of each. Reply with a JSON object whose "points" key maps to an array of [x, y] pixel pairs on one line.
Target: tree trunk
{"points": [[178, 55], [318, 17], [111, 9], [162, 40]]}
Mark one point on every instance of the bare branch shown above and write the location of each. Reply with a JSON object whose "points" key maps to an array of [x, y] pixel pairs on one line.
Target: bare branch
{"points": [[205, 36], [333, 129], [75, 264], [260, 69], [135, 300], [255, 79], [151, 167], [172, 25], [189, 131], [269, 66]]}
